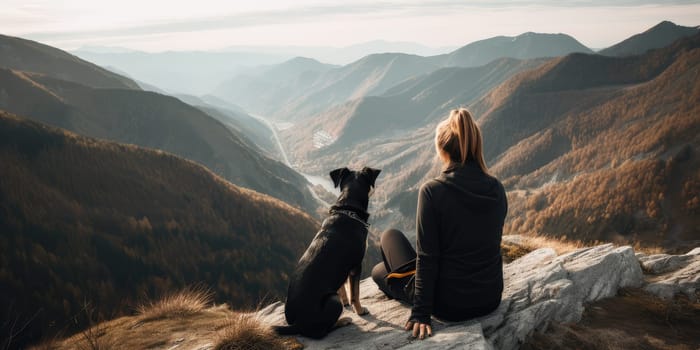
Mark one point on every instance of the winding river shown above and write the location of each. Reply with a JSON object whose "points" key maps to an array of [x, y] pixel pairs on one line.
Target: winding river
{"points": [[313, 179]]}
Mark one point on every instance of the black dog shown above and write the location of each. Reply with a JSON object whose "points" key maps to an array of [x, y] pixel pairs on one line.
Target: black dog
{"points": [[335, 255]]}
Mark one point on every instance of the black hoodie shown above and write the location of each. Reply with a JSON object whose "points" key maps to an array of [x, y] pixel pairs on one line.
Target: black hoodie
{"points": [[459, 223]]}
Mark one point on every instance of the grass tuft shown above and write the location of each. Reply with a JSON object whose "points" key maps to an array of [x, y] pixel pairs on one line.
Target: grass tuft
{"points": [[188, 301], [510, 251], [513, 247], [247, 332]]}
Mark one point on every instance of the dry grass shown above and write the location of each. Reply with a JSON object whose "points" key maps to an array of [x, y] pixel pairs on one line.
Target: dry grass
{"points": [[510, 251], [561, 245], [195, 331], [632, 320], [520, 245], [515, 246], [184, 320], [639, 248], [246, 332], [94, 338], [186, 302]]}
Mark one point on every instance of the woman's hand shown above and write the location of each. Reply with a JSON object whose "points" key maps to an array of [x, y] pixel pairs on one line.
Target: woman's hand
{"points": [[420, 330]]}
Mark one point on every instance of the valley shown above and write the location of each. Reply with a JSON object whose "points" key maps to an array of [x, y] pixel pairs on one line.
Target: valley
{"points": [[312, 179]]}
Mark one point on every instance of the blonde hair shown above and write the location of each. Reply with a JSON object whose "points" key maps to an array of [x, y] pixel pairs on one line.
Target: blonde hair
{"points": [[458, 139]]}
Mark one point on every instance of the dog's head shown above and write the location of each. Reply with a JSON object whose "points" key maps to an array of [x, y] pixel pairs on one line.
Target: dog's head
{"points": [[355, 186]]}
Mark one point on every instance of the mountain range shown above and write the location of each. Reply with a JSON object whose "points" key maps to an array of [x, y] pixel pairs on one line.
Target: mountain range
{"points": [[347, 54], [143, 118], [542, 120], [298, 99], [199, 72]]}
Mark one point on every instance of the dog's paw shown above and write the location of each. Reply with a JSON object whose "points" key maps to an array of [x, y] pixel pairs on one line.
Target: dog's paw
{"points": [[342, 322], [361, 310]]}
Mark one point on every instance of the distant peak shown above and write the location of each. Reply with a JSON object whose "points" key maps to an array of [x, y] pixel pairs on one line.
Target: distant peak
{"points": [[301, 59], [666, 24], [534, 34]]}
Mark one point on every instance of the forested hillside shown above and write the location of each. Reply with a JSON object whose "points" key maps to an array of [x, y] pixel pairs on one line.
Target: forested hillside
{"points": [[85, 221]]}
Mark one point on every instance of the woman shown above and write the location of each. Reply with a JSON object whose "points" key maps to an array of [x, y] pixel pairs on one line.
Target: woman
{"points": [[457, 273]]}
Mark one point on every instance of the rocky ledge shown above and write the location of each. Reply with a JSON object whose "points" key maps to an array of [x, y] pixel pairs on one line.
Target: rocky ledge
{"points": [[540, 288]]}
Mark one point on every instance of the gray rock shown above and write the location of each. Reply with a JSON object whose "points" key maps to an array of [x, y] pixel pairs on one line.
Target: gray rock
{"points": [[540, 288], [670, 275], [518, 240], [662, 263], [383, 327], [598, 272]]}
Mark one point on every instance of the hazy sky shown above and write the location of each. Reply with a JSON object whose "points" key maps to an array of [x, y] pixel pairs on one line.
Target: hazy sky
{"points": [[157, 25]]}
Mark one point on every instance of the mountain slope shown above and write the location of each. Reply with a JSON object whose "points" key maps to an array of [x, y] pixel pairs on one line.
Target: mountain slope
{"points": [[382, 131], [658, 36], [27, 55], [261, 89], [247, 128], [312, 91], [89, 221], [151, 120], [623, 169], [524, 46], [594, 148], [371, 75], [515, 110]]}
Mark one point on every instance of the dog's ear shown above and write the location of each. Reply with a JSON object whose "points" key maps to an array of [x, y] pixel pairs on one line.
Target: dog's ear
{"points": [[337, 175], [371, 174]]}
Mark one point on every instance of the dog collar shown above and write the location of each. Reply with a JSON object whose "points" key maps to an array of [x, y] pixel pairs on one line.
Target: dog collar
{"points": [[352, 215]]}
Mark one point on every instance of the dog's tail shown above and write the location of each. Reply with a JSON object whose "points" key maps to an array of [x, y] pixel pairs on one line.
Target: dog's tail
{"points": [[286, 330]]}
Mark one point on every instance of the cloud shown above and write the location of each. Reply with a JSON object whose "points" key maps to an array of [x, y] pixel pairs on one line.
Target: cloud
{"points": [[326, 12]]}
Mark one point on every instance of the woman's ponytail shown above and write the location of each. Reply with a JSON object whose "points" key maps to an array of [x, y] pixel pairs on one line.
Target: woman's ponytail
{"points": [[458, 139]]}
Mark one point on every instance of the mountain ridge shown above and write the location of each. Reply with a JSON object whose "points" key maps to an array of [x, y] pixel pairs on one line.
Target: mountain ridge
{"points": [[524, 46], [27, 55], [660, 35]]}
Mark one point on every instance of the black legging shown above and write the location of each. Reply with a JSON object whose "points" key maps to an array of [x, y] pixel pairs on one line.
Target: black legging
{"points": [[398, 256]]}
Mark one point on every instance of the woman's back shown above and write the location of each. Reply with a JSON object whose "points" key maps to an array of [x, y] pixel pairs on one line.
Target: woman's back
{"points": [[469, 208]]}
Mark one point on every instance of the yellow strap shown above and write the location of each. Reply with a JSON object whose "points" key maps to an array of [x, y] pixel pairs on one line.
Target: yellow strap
{"points": [[400, 275]]}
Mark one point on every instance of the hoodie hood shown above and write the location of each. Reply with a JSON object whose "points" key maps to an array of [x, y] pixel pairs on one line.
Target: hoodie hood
{"points": [[470, 180]]}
